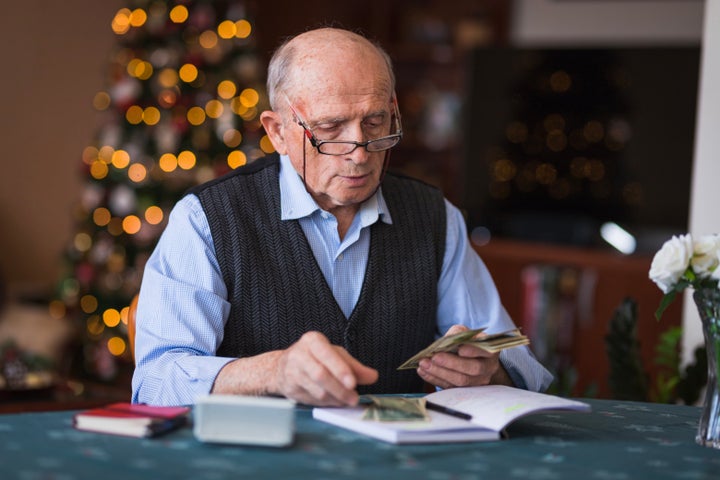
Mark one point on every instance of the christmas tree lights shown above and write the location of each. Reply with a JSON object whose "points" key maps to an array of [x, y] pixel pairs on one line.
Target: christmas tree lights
{"points": [[184, 92]]}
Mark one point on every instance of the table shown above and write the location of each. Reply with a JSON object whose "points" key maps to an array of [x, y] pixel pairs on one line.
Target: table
{"points": [[617, 440]]}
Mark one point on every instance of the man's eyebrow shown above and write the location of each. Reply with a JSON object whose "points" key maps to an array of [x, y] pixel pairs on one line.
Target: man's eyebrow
{"points": [[335, 120], [378, 113], [329, 119]]}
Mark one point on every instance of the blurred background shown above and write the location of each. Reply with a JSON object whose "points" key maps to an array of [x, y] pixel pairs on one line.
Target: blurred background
{"points": [[565, 130]]}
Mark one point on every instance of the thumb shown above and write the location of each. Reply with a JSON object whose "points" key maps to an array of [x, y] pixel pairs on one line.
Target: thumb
{"points": [[456, 329]]}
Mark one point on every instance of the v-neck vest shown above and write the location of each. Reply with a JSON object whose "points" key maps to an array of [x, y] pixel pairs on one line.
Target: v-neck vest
{"points": [[277, 291]]}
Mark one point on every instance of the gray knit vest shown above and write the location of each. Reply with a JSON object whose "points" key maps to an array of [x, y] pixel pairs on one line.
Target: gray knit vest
{"points": [[277, 291]]}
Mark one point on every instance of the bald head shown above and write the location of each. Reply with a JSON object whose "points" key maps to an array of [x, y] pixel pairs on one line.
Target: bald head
{"points": [[323, 59]]}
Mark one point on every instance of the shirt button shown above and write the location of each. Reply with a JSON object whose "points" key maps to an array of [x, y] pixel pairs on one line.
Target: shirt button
{"points": [[341, 256]]}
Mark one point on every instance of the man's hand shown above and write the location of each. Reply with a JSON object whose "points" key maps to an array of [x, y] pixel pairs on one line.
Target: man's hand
{"points": [[470, 366], [316, 372], [311, 371]]}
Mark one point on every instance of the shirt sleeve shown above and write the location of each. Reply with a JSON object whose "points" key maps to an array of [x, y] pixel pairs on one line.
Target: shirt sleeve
{"points": [[181, 315], [467, 295]]}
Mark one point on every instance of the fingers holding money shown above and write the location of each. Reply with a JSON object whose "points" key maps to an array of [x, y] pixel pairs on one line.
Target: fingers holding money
{"points": [[468, 367], [460, 336]]}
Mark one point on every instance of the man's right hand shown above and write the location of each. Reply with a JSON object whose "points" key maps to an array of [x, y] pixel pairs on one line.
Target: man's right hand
{"points": [[311, 371]]}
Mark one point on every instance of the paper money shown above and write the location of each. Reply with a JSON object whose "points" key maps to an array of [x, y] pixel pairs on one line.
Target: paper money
{"points": [[395, 409], [450, 343]]}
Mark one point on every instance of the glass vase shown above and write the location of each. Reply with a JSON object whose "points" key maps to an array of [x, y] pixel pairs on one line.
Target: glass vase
{"points": [[707, 301]]}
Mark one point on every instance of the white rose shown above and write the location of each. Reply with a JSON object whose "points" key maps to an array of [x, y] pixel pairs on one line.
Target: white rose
{"points": [[716, 273], [705, 255], [671, 261]]}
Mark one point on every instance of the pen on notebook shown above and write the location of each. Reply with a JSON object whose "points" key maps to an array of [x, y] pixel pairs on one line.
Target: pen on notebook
{"points": [[448, 411]]}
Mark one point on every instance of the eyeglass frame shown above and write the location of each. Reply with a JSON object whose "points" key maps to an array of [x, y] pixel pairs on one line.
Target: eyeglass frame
{"points": [[317, 143]]}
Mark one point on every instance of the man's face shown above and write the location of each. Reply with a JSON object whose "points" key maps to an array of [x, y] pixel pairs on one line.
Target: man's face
{"points": [[348, 179], [343, 92]]}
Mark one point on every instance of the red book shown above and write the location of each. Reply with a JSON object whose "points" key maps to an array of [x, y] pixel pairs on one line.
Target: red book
{"points": [[131, 420]]}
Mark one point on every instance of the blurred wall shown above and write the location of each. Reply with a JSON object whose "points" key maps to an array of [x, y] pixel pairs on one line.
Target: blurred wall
{"points": [[602, 22], [53, 58]]}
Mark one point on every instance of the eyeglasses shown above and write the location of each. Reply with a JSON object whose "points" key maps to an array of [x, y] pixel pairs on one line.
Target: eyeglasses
{"points": [[337, 147]]}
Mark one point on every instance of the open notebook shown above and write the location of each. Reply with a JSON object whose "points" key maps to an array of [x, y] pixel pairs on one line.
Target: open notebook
{"points": [[485, 412]]}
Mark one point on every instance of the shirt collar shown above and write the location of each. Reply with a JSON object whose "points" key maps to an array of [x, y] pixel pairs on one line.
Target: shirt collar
{"points": [[296, 202]]}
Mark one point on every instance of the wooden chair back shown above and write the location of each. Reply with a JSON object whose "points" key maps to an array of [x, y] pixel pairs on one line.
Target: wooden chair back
{"points": [[132, 312]]}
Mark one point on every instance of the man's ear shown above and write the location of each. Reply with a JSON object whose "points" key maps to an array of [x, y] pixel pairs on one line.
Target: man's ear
{"points": [[274, 128]]}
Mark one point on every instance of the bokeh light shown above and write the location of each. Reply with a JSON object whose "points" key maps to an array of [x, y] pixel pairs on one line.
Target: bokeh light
{"points": [[266, 145], [196, 115], [232, 137], [120, 159], [168, 77], [214, 108], [88, 303], [168, 162], [236, 159], [154, 215], [111, 317], [98, 170], [186, 160], [101, 101], [208, 39], [188, 73], [121, 21], [134, 115], [101, 216], [179, 14], [226, 89], [243, 28], [227, 29], [131, 224], [116, 346], [151, 115], [137, 172], [249, 97]]}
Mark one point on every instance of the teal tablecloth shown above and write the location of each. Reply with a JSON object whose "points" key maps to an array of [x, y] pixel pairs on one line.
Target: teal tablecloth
{"points": [[618, 440]]}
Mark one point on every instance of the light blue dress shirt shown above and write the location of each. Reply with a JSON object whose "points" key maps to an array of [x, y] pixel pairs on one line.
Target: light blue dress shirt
{"points": [[183, 305]]}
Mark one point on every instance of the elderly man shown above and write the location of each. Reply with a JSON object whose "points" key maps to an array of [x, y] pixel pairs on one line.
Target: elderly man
{"points": [[313, 274]]}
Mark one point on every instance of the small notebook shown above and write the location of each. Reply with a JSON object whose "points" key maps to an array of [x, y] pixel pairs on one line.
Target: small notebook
{"points": [[132, 420]]}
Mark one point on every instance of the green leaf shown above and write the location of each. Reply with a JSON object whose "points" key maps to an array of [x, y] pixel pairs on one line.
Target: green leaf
{"points": [[689, 275], [667, 299]]}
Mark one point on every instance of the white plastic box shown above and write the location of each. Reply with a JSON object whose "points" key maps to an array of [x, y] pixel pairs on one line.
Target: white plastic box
{"points": [[264, 421]]}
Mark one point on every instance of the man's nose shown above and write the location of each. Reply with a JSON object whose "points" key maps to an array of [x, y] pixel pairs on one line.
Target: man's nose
{"points": [[359, 155]]}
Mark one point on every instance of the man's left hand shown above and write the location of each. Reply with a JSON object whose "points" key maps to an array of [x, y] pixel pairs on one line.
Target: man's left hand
{"points": [[470, 366]]}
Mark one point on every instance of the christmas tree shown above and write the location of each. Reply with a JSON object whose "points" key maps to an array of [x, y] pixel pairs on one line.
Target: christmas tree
{"points": [[182, 103]]}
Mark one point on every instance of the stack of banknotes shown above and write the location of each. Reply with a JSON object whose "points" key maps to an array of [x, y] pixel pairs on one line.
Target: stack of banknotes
{"points": [[450, 343]]}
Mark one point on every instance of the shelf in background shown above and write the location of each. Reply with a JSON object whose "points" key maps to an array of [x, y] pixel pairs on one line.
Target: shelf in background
{"points": [[602, 280]]}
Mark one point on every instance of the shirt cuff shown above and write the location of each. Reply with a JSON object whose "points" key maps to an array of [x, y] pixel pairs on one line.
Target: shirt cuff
{"points": [[182, 381], [524, 369]]}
